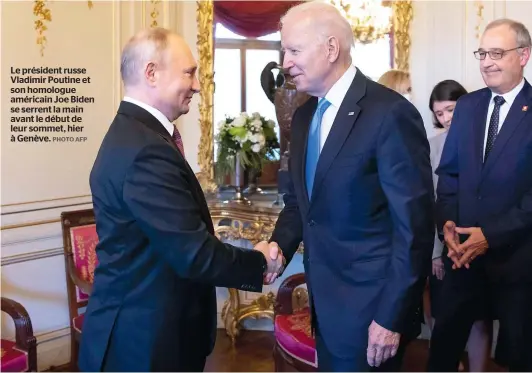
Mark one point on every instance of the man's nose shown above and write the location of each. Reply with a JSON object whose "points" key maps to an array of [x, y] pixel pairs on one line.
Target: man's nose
{"points": [[196, 85], [486, 62], [287, 63]]}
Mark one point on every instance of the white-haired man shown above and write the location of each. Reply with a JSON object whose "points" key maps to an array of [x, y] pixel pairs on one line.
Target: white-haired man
{"points": [[361, 198], [153, 305]]}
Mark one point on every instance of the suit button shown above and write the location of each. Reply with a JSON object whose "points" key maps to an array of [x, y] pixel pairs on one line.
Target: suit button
{"points": [[479, 197], [311, 223]]}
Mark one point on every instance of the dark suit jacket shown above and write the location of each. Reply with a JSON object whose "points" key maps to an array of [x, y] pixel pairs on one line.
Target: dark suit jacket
{"points": [[368, 232], [154, 288], [496, 195]]}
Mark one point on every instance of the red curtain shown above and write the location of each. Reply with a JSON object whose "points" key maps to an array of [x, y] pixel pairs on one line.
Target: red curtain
{"points": [[251, 18]]}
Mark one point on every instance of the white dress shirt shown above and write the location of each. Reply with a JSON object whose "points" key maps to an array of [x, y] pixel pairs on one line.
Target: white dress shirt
{"points": [[335, 96], [509, 99], [153, 111]]}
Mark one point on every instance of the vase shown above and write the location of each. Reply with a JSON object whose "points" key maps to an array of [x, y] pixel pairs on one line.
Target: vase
{"points": [[253, 181], [239, 182]]}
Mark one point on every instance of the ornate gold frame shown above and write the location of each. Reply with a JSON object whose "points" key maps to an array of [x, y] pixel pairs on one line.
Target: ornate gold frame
{"points": [[402, 16]]}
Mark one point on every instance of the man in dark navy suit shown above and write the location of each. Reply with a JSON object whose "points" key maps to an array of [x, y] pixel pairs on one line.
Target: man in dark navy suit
{"points": [[484, 206], [361, 198], [153, 306]]}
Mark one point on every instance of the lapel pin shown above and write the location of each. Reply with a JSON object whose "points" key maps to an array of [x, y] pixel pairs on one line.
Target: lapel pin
{"points": [[525, 108], [351, 113]]}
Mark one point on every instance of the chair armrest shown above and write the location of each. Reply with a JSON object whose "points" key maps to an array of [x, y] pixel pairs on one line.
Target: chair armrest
{"points": [[85, 286], [283, 301], [24, 338]]}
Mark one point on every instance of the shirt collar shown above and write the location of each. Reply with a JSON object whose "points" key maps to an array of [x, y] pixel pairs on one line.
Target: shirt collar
{"points": [[338, 91], [153, 111], [509, 97]]}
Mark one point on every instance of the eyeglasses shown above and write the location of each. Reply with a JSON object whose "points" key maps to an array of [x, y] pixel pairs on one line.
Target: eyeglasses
{"points": [[494, 55]]}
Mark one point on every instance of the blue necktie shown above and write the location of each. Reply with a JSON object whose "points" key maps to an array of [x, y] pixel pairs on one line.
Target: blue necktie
{"points": [[313, 144]]}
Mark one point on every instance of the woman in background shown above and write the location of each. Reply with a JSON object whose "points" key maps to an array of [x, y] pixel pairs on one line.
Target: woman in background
{"points": [[399, 81], [442, 103]]}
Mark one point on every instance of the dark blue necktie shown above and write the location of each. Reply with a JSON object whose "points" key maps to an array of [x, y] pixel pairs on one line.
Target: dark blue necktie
{"points": [[313, 144], [493, 128]]}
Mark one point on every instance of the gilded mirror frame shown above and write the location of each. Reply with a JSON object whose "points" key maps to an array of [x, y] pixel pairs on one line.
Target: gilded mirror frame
{"points": [[402, 17]]}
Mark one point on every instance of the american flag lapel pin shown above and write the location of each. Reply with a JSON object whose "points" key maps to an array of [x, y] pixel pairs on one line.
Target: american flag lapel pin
{"points": [[525, 108]]}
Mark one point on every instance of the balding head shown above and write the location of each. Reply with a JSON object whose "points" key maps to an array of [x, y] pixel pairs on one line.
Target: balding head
{"points": [[158, 68], [317, 41]]}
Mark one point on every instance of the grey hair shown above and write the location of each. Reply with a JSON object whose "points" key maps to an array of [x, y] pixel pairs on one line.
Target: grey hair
{"points": [[326, 20], [522, 35], [146, 45]]}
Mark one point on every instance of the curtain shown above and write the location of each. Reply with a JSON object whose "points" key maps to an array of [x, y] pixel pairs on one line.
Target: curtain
{"points": [[251, 18]]}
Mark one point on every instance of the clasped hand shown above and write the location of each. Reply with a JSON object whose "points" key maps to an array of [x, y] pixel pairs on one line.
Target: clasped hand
{"points": [[274, 257], [463, 254]]}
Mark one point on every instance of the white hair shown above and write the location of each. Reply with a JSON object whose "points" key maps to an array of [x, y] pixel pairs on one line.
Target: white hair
{"points": [[325, 20], [147, 45]]}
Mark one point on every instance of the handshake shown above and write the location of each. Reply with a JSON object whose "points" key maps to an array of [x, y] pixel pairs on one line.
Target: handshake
{"points": [[274, 258]]}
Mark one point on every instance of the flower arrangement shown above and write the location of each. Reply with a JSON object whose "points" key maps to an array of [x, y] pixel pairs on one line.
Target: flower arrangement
{"points": [[251, 138]]}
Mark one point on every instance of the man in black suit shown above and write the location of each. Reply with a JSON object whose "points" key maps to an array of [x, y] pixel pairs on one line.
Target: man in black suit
{"points": [[153, 306], [484, 206], [361, 198]]}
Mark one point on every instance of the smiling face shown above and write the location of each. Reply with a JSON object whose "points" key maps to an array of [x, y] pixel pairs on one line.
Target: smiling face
{"points": [[502, 75], [443, 112], [173, 79], [306, 59]]}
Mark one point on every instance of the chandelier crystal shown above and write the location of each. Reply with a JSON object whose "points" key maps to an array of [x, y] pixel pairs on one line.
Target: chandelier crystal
{"points": [[370, 19]]}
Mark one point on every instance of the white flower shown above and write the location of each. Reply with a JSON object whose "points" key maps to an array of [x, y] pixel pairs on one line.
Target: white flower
{"points": [[262, 140], [221, 124], [238, 122], [254, 138], [271, 123], [257, 124], [256, 148]]}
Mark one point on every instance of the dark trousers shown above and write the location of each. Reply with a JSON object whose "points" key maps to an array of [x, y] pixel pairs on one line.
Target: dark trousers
{"points": [[467, 297], [327, 362]]}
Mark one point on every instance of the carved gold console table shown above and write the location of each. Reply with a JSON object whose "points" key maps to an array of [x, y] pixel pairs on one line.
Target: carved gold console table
{"points": [[253, 223]]}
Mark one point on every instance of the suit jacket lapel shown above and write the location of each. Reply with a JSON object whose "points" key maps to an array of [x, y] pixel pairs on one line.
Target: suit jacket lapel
{"points": [[513, 120], [342, 126], [479, 130], [305, 118]]}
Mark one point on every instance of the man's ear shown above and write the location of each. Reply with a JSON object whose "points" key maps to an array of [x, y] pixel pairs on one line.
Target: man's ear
{"points": [[150, 73], [525, 56], [333, 48]]}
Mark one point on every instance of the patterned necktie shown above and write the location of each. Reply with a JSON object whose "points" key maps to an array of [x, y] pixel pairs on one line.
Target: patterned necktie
{"points": [[493, 128], [313, 144], [178, 141]]}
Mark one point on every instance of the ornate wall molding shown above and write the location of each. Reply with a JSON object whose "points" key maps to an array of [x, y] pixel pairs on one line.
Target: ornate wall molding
{"points": [[205, 44], [43, 15], [154, 13], [479, 7], [403, 13]]}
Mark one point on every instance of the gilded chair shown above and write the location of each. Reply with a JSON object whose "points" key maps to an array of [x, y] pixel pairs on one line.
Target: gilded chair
{"points": [[19, 355], [295, 348], [79, 242]]}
